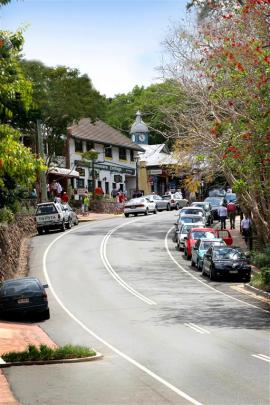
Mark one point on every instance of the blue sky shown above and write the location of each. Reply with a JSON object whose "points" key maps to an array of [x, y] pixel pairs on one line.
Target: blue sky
{"points": [[116, 42]]}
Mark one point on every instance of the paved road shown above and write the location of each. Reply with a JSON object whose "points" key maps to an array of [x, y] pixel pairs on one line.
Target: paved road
{"points": [[168, 335]]}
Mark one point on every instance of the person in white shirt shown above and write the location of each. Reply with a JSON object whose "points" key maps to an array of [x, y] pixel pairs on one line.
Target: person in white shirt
{"points": [[222, 213], [246, 228]]}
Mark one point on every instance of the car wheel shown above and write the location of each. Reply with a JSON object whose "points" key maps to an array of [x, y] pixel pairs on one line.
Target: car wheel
{"points": [[212, 274], [40, 231], [135, 214], [168, 207], [247, 279], [127, 215], [155, 211], [146, 211], [69, 224], [192, 263], [63, 227], [203, 272], [198, 266], [46, 230], [177, 207]]}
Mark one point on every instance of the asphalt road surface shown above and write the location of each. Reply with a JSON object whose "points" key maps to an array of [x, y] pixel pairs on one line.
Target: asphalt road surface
{"points": [[168, 335]]}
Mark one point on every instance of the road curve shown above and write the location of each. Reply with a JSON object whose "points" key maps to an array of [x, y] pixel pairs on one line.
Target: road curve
{"points": [[121, 287]]}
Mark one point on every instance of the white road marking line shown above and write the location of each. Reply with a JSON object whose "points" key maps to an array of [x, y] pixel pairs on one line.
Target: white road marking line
{"points": [[194, 328], [199, 328], [110, 269], [201, 281], [262, 357], [114, 349]]}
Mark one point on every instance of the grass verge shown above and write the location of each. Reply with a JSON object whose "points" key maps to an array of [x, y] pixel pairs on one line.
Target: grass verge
{"points": [[44, 352]]}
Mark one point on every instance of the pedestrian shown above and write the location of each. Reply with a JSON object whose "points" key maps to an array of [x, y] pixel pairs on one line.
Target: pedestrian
{"points": [[114, 192], [64, 198], [222, 213], [85, 205], [231, 208], [246, 228]]}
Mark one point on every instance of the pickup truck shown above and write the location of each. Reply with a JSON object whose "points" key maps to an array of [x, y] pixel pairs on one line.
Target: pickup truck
{"points": [[49, 216]]}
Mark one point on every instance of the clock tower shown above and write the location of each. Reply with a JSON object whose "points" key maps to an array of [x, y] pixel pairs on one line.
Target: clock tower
{"points": [[139, 131]]}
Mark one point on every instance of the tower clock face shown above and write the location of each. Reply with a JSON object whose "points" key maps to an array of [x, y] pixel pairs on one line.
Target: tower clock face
{"points": [[142, 137], [133, 138]]}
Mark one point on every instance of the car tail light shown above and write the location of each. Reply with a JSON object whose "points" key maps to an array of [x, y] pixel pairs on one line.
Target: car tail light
{"points": [[59, 216], [140, 206], [44, 296]]}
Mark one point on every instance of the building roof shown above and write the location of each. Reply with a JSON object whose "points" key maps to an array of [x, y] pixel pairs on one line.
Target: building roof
{"points": [[156, 155], [139, 126], [101, 132]]}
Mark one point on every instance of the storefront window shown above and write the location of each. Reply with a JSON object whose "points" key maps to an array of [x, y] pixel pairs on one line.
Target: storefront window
{"points": [[78, 145], [122, 154]]}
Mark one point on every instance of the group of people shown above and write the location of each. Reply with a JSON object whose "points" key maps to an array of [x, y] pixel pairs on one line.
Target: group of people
{"points": [[230, 211]]}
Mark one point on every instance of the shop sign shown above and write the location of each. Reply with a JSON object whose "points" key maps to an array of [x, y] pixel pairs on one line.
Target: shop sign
{"points": [[107, 167], [81, 191], [156, 171]]}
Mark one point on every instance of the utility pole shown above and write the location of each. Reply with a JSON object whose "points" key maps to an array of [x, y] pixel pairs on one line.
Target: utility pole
{"points": [[42, 176]]}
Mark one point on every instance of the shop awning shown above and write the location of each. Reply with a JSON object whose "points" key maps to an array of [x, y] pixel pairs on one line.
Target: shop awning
{"points": [[61, 171]]}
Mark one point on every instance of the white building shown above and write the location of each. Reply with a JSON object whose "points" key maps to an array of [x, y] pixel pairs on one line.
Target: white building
{"points": [[115, 167]]}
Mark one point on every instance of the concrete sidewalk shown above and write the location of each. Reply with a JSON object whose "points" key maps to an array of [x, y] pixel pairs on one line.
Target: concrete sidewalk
{"points": [[16, 337]]}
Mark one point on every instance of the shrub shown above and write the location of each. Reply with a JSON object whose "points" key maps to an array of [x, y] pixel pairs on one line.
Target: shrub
{"points": [[6, 215], [44, 352], [261, 259]]}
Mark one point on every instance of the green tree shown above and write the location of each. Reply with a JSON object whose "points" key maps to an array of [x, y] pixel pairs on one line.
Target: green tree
{"points": [[154, 102], [18, 166], [226, 73], [60, 96]]}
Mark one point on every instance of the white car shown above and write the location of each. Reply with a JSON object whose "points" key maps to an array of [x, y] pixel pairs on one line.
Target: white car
{"points": [[49, 216], [182, 233], [140, 205], [176, 200], [71, 217], [193, 211], [191, 219]]}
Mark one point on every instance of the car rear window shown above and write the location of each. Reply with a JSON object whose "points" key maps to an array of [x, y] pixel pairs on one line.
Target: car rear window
{"points": [[19, 288], [193, 219], [228, 253], [166, 197], [206, 245], [202, 234], [46, 209]]}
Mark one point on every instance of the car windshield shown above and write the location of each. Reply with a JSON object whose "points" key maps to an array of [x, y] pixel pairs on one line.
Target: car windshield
{"points": [[19, 288], [192, 219], [228, 254], [46, 209], [190, 211], [202, 234], [206, 244], [166, 197], [186, 228]]}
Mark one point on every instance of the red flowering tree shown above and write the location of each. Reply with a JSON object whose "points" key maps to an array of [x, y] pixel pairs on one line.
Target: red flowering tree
{"points": [[225, 67]]}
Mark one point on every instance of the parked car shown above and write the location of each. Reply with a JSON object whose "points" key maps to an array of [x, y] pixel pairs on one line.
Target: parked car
{"points": [[71, 217], [215, 202], [224, 234], [23, 296], [200, 248], [216, 192], [226, 261], [137, 206], [195, 234], [49, 216], [161, 203], [181, 235], [191, 219], [176, 200], [207, 208]]}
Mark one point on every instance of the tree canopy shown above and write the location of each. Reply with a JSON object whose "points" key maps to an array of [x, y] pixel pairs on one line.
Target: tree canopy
{"points": [[154, 102], [225, 68]]}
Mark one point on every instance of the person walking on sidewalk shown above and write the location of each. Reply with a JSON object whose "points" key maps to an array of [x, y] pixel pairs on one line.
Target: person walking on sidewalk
{"points": [[222, 213], [246, 228], [231, 208]]}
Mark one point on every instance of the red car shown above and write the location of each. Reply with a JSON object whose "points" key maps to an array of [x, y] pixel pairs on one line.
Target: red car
{"points": [[198, 233]]}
